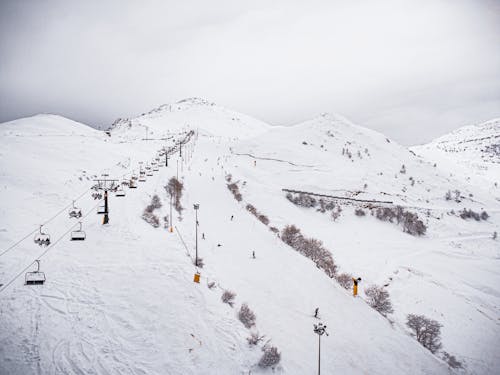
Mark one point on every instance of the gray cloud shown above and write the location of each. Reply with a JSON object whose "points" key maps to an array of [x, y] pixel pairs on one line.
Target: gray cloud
{"points": [[412, 69]]}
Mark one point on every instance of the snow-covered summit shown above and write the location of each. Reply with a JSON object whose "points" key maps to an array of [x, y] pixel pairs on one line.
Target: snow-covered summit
{"points": [[195, 113], [473, 150]]}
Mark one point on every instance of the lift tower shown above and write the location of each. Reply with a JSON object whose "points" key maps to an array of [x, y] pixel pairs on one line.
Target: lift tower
{"points": [[105, 184]]}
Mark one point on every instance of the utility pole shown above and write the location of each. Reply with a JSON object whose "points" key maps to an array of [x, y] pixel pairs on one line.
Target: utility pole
{"points": [[171, 217], [196, 207], [106, 185], [319, 329]]}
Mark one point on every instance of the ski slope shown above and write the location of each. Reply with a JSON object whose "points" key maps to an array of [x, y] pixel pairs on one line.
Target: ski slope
{"points": [[124, 300]]}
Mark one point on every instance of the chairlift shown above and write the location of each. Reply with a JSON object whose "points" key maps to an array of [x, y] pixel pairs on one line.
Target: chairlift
{"points": [[149, 173], [120, 192], [132, 185], [75, 212], [41, 238], [79, 234], [35, 277]]}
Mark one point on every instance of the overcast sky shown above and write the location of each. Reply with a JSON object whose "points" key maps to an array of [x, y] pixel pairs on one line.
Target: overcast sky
{"points": [[412, 69]]}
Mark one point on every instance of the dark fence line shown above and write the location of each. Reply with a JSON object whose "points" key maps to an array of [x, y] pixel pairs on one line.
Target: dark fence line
{"points": [[336, 197]]}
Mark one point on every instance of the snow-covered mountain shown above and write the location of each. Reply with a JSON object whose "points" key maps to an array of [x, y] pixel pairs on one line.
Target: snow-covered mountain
{"points": [[124, 301], [471, 151]]}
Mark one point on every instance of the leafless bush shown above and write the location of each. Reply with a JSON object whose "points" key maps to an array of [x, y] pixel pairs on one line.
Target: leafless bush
{"points": [[469, 214], [254, 338], [263, 219], [426, 331], [229, 177], [359, 212], [246, 316], [311, 248], [378, 298], [408, 220], [274, 229], [452, 361], [174, 189], [151, 218], [233, 188], [345, 280], [211, 285], [250, 208], [336, 213], [270, 358], [228, 297]]}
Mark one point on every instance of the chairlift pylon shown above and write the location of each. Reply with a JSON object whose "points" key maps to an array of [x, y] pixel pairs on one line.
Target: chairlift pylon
{"points": [[79, 234], [41, 238], [75, 212], [35, 277]]}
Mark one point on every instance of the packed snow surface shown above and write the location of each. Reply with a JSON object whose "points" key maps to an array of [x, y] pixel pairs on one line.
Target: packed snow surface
{"points": [[124, 302]]}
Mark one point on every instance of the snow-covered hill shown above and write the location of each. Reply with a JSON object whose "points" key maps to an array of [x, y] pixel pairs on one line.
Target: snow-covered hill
{"points": [[472, 152], [124, 301]]}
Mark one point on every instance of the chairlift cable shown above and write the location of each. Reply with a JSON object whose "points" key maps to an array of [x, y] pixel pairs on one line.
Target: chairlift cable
{"points": [[46, 251], [46, 222]]}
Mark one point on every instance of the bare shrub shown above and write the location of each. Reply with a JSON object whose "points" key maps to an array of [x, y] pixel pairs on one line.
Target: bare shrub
{"points": [[254, 338], [452, 361], [263, 219], [250, 208], [246, 316], [233, 188], [378, 298], [156, 202], [469, 214], [345, 280], [270, 358], [151, 218], [274, 229], [359, 212], [174, 189], [311, 248], [211, 285], [408, 220], [336, 213], [228, 297], [426, 331]]}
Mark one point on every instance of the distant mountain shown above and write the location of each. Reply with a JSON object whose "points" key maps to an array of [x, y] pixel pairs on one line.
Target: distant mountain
{"points": [[473, 150]]}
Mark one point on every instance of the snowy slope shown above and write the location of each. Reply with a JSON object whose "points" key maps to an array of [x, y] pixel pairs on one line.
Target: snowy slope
{"points": [[472, 152], [123, 301]]}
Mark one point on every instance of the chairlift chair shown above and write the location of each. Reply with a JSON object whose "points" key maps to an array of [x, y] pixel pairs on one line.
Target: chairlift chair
{"points": [[75, 212], [79, 234], [142, 176], [41, 238], [132, 185], [149, 173], [101, 210], [120, 192], [35, 277]]}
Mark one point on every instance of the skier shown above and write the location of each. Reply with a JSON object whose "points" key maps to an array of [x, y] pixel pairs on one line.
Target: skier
{"points": [[316, 312], [355, 286], [253, 254], [232, 216], [203, 236]]}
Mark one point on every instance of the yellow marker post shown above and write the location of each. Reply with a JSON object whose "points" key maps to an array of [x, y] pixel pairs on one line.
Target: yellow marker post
{"points": [[197, 277], [355, 286]]}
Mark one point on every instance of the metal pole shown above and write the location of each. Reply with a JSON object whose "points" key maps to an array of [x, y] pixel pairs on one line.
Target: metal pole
{"points": [[106, 217], [177, 169], [166, 158], [319, 355], [171, 217], [196, 257]]}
